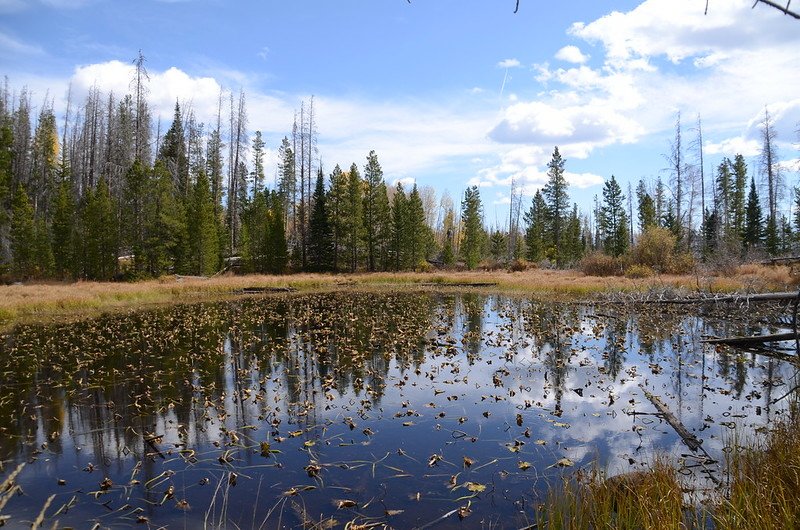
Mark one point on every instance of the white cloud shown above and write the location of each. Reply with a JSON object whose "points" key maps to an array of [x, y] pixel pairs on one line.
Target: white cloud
{"points": [[263, 53], [509, 63], [571, 54], [733, 146]]}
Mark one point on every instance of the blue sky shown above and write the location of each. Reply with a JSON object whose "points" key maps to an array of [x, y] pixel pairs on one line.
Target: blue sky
{"points": [[448, 92]]}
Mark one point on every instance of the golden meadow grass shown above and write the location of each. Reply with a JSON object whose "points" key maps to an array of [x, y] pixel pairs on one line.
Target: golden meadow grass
{"points": [[69, 299]]}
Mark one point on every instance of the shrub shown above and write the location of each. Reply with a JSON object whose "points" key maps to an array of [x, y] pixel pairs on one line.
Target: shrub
{"points": [[638, 271], [681, 263], [655, 249], [600, 264], [520, 265]]}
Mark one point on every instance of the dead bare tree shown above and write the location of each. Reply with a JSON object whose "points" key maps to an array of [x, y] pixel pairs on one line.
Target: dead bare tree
{"points": [[784, 10]]}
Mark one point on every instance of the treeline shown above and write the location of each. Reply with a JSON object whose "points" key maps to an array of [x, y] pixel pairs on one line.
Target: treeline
{"points": [[107, 195]]}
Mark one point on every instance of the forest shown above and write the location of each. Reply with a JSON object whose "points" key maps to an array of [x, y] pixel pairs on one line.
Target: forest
{"points": [[106, 197]]}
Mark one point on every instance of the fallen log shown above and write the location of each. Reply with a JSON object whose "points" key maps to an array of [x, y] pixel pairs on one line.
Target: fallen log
{"points": [[759, 297], [460, 284], [751, 340], [688, 438], [261, 290]]}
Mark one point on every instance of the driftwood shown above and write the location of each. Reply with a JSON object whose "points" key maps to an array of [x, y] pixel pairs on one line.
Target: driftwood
{"points": [[461, 284], [759, 297], [752, 340], [688, 438], [261, 290]]}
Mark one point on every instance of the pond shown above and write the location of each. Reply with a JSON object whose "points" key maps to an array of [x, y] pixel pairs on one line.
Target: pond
{"points": [[413, 410]]}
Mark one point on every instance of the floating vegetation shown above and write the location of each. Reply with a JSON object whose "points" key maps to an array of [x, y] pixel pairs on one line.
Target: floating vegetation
{"points": [[375, 409]]}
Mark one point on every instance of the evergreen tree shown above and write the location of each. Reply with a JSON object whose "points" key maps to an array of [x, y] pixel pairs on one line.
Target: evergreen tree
{"points": [[376, 211], [337, 212], [753, 219], [420, 236], [536, 220], [353, 218], [400, 230], [647, 208], [43, 249], [613, 219], [472, 218], [772, 241], [497, 245], [573, 244], [739, 193], [277, 249], [136, 194], [173, 154], [255, 234], [100, 234], [320, 243], [257, 175], [165, 234], [203, 236], [63, 231], [557, 200], [23, 235], [724, 195]]}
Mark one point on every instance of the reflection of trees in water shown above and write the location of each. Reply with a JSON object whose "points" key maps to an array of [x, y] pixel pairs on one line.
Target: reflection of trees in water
{"points": [[199, 371]]}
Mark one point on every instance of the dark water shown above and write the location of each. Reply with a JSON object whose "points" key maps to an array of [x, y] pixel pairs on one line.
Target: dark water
{"points": [[374, 408]]}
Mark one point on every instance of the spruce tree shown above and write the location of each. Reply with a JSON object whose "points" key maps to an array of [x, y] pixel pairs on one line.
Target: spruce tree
{"points": [[753, 219], [420, 237], [497, 245], [23, 235], [472, 218], [376, 211], [320, 245], [557, 200], [277, 249], [100, 234], [337, 212], [165, 241], [739, 194], [174, 154], [353, 218], [63, 229], [203, 236], [400, 230], [613, 219], [536, 220]]}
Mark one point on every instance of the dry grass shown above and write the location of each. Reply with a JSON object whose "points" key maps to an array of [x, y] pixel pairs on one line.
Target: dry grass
{"points": [[765, 486], [641, 500], [58, 299]]}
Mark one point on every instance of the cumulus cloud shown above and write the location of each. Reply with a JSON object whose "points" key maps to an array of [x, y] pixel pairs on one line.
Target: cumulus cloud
{"points": [[571, 54], [538, 122], [509, 63]]}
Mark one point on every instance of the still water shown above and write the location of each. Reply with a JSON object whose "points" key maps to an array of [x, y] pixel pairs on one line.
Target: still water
{"points": [[413, 410]]}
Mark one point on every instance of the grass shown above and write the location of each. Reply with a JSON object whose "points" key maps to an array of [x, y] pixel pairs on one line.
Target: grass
{"points": [[765, 482], [763, 493], [53, 299]]}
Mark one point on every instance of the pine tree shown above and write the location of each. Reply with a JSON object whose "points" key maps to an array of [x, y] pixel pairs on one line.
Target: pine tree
{"points": [[203, 236], [613, 219], [43, 249], [536, 220], [772, 241], [23, 235], [320, 244], [135, 196], [257, 175], [753, 219], [557, 200], [472, 218]]}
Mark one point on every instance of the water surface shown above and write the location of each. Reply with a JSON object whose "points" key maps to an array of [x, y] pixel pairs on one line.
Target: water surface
{"points": [[291, 411]]}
